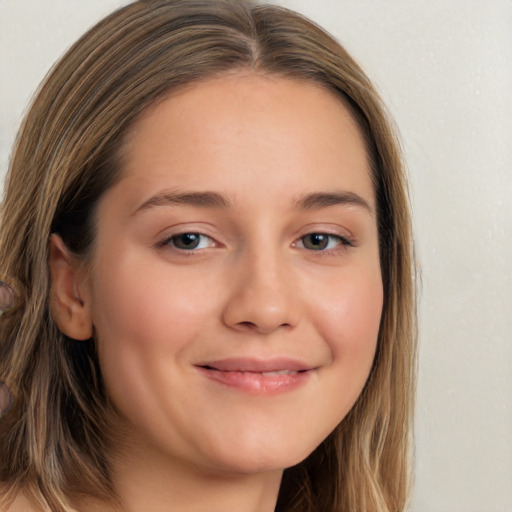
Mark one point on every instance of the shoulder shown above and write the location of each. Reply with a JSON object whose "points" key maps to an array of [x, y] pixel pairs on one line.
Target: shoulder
{"points": [[20, 503]]}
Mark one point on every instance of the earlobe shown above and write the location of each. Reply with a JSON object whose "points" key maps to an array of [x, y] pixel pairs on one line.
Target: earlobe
{"points": [[70, 311]]}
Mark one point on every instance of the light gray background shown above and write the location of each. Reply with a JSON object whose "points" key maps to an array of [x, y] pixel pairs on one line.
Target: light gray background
{"points": [[445, 70]]}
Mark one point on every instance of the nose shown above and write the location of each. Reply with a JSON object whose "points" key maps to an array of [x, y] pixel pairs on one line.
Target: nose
{"points": [[262, 298]]}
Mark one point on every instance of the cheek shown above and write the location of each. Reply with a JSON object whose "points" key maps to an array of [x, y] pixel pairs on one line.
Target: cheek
{"points": [[144, 328], [141, 322], [349, 318], [346, 313], [157, 308]]}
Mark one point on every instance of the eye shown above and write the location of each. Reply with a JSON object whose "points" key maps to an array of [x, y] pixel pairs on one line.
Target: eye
{"points": [[189, 241], [322, 241]]}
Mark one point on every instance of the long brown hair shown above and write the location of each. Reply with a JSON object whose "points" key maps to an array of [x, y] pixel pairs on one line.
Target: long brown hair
{"points": [[55, 440]]}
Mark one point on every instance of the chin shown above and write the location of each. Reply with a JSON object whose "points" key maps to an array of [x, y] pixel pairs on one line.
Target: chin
{"points": [[246, 458]]}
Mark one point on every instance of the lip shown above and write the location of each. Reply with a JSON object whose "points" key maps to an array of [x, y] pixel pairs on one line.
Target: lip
{"points": [[256, 376]]}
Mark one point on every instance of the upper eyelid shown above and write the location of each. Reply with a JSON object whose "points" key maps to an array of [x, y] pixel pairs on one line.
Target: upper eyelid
{"points": [[344, 240], [166, 241], [345, 237], [189, 232], [172, 231], [333, 230]]}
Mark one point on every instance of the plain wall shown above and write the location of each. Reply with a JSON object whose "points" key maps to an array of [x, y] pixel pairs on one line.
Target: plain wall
{"points": [[445, 70]]}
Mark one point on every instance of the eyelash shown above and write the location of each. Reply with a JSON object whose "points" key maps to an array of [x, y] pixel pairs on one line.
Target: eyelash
{"points": [[342, 242], [171, 241]]}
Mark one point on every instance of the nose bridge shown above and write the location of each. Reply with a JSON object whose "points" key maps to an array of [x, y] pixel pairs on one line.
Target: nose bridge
{"points": [[262, 299]]}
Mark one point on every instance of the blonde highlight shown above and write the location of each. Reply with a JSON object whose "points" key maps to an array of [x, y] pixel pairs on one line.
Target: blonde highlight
{"points": [[53, 443]]}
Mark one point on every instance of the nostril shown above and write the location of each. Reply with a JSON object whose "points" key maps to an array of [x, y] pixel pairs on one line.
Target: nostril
{"points": [[247, 325], [252, 326]]}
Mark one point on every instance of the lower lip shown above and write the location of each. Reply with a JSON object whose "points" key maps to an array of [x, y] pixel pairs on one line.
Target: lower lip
{"points": [[258, 383]]}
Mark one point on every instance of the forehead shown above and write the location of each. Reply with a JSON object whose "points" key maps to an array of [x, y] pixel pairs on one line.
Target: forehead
{"points": [[248, 127]]}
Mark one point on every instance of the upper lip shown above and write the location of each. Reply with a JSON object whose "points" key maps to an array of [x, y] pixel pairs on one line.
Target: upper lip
{"points": [[257, 365]]}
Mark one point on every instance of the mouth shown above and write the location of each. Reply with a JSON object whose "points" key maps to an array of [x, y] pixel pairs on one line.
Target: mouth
{"points": [[261, 377]]}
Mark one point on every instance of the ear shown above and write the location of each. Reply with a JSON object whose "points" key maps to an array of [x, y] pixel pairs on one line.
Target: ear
{"points": [[69, 310]]}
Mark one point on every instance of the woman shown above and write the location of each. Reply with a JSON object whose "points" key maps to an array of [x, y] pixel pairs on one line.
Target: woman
{"points": [[206, 226]]}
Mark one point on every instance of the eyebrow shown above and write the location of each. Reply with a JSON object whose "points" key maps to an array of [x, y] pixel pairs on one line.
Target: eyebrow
{"points": [[313, 201], [200, 199], [320, 200]]}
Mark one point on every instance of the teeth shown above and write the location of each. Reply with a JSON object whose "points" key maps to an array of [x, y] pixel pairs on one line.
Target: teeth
{"points": [[280, 372]]}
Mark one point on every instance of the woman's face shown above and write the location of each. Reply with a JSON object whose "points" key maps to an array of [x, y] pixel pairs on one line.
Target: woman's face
{"points": [[236, 289]]}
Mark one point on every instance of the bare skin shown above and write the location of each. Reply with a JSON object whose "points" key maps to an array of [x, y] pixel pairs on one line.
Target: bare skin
{"points": [[235, 286]]}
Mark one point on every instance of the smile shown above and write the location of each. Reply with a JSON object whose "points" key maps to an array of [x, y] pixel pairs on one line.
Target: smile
{"points": [[258, 377]]}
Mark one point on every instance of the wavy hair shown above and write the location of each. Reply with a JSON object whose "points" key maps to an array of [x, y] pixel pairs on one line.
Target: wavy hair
{"points": [[54, 441]]}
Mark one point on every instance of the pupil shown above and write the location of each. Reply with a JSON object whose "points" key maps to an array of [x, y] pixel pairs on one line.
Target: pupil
{"points": [[187, 241], [316, 241]]}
